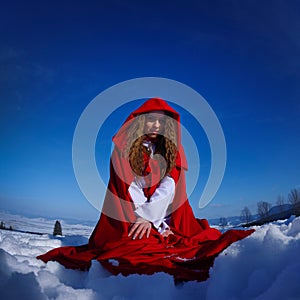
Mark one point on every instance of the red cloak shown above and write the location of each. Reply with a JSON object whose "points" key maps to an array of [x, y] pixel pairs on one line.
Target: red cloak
{"points": [[187, 254]]}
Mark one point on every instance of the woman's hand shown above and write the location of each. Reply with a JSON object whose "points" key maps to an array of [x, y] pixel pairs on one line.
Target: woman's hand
{"points": [[167, 232], [140, 228]]}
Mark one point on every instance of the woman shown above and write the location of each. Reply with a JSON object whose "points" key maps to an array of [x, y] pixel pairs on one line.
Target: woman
{"points": [[147, 224]]}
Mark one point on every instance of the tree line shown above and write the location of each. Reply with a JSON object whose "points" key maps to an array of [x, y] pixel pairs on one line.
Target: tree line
{"points": [[263, 210], [3, 226], [263, 207]]}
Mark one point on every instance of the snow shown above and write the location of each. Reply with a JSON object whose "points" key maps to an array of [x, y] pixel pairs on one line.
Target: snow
{"points": [[43, 225], [265, 265]]}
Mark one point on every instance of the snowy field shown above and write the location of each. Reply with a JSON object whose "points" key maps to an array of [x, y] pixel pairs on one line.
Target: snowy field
{"points": [[265, 265]]}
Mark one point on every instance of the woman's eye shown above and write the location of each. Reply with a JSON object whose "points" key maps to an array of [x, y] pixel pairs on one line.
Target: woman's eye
{"points": [[151, 119]]}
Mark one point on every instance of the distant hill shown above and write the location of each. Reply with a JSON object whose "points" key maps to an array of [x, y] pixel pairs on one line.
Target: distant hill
{"points": [[280, 208], [232, 221], [278, 212], [275, 213]]}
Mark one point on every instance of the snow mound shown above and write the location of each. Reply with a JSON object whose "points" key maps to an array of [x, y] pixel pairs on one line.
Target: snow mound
{"points": [[263, 266]]}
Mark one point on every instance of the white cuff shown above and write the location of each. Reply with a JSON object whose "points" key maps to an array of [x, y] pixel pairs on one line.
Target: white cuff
{"points": [[163, 227]]}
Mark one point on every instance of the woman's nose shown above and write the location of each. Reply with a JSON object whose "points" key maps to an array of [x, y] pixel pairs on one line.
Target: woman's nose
{"points": [[157, 123]]}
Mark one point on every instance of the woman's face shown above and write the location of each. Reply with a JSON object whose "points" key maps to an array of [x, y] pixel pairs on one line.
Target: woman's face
{"points": [[154, 123]]}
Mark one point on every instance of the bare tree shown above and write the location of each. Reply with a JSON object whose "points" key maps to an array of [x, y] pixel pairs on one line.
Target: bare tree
{"points": [[223, 222], [294, 197], [263, 208], [246, 215], [280, 202]]}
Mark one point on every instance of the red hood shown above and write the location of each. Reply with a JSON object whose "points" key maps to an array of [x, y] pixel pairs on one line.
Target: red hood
{"points": [[155, 104], [151, 105]]}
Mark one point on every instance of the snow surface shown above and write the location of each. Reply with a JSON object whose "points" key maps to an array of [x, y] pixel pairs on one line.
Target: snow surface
{"points": [[263, 266], [42, 225]]}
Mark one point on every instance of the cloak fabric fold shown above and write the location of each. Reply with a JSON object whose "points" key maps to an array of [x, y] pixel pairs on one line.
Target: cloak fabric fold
{"points": [[187, 254]]}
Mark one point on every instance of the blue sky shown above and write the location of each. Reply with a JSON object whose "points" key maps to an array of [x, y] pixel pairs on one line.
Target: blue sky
{"points": [[243, 57]]}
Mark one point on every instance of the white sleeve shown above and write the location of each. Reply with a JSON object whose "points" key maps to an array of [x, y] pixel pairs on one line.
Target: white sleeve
{"points": [[156, 210], [165, 189], [136, 192]]}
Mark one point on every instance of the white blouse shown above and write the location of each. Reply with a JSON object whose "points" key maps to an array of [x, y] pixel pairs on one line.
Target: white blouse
{"points": [[154, 210]]}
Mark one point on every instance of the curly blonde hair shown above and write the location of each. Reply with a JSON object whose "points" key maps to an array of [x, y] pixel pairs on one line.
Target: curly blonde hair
{"points": [[166, 145]]}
